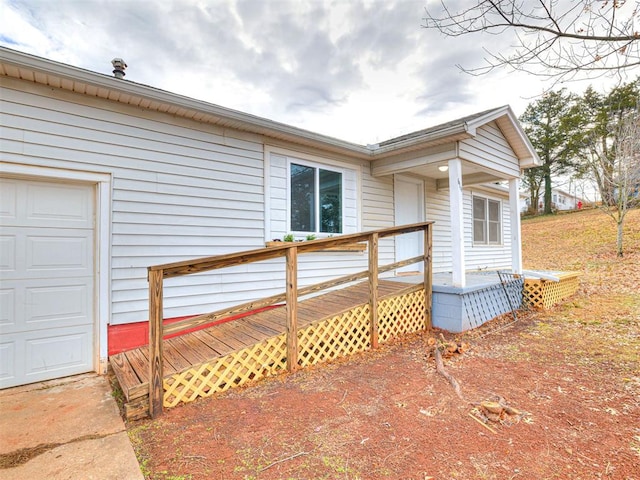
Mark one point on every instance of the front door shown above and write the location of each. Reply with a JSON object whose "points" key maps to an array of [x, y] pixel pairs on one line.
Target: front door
{"points": [[409, 208]]}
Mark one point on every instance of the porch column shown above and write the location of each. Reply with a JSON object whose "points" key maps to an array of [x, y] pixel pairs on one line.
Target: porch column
{"points": [[514, 214], [457, 222]]}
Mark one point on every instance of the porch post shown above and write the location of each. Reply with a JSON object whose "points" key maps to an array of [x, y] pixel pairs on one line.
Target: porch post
{"points": [[457, 222], [514, 215], [373, 289], [156, 347], [428, 276], [292, 308]]}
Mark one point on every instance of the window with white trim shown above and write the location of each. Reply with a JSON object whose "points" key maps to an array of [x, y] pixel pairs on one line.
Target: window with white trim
{"points": [[487, 226], [316, 199]]}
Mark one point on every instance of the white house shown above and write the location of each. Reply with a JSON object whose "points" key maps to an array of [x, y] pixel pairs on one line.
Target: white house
{"points": [[560, 200], [101, 177]]}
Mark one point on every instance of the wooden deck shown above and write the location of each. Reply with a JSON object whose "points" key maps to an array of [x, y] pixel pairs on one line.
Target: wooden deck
{"points": [[132, 367]]}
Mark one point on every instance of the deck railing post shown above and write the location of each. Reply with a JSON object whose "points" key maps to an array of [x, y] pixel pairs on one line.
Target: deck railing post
{"points": [[428, 276], [373, 289], [156, 389], [292, 308]]}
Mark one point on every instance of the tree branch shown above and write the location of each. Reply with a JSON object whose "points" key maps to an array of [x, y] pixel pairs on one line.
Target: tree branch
{"points": [[566, 42]]}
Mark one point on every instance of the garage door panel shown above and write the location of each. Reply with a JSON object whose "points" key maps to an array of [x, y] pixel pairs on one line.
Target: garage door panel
{"points": [[37, 356], [8, 200], [56, 306], [8, 251], [46, 253], [63, 352], [7, 308], [59, 253], [72, 206], [8, 356], [41, 304], [47, 317]]}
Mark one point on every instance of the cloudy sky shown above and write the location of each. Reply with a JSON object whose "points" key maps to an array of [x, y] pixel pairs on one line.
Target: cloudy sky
{"points": [[359, 70]]}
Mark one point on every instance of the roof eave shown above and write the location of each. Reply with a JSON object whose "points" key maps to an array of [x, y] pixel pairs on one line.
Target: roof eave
{"points": [[448, 135], [68, 75]]}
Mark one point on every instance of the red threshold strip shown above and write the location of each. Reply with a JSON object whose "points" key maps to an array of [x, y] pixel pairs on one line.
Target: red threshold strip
{"points": [[133, 335]]}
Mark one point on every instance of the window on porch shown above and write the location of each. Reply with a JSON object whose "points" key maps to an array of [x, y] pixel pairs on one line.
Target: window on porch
{"points": [[316, 199], [487, 226]]}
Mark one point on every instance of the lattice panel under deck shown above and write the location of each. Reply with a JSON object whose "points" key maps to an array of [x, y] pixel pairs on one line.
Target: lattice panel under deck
{"points": [[401, 315], [338, 336], [540, 293], [533, 292], [252, 363]]}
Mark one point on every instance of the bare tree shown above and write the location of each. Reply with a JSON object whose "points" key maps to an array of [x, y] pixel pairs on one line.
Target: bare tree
{"points": [[558, 39], [624, 178], [532, 180]]}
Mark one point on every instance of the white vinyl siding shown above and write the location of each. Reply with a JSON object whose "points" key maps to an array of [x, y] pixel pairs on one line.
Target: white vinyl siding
{"points": [[438, 211], [181, 190], [490, 149], [476, 256], [378, 211]]}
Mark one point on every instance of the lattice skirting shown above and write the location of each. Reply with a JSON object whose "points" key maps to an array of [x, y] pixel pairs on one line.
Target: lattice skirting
{"points": [[540, 293], [401, 315], [338, 336], [252, 363]]}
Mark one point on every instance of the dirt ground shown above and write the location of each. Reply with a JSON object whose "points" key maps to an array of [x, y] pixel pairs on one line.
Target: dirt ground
{"points": [[572, 374]]}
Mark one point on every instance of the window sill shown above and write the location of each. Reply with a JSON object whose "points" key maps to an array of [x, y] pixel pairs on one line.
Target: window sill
{"points": [[355, 247]]}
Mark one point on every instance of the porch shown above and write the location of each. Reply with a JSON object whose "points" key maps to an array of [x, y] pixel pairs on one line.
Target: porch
{"points": [[486, 295]]}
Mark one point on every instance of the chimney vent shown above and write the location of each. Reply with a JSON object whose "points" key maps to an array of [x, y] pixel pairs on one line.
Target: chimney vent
{"points": [[118, 67]]}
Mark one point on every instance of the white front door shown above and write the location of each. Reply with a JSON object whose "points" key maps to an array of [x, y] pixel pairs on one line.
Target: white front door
{"points": [[46, 280], [409, 208]]}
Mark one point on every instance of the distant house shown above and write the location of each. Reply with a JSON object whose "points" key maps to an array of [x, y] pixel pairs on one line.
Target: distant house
{"points": [[560, 200], [102, 177]]}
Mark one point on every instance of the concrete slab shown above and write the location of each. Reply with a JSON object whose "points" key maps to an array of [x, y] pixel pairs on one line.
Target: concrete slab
{"points": [[65, 429]]}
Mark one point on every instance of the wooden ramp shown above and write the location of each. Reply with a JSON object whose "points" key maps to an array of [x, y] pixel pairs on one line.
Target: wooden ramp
{"points": [[230, 354]]}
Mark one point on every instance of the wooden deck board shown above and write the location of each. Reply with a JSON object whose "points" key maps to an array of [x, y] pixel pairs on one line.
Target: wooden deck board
{"points": [[192, 348], [132, 367]]}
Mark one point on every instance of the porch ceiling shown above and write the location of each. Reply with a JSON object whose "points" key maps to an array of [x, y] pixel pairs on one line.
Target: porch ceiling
{"points": [[472, 173]]}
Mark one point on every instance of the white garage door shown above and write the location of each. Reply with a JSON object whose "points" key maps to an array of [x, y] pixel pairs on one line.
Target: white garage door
{"points": [[46, 280]]}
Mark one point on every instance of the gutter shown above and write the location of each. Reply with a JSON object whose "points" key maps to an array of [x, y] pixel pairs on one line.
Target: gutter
{"points": [[242, 121]]}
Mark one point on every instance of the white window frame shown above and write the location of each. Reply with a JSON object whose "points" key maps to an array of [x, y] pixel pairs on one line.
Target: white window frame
{"points": [[486, 221], [317, 167]]}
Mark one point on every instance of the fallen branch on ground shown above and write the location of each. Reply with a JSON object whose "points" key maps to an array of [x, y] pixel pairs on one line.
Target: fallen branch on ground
{"points": [[441, 370], [291, 457], [497, 411]]}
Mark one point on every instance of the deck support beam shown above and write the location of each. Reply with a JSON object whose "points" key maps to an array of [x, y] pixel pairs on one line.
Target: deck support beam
{"points": [[373, 289], [292, 308], [156, 360]]}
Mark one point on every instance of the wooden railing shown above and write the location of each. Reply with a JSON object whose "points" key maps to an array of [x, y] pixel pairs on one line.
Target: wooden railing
{"points": [[290, 250]]}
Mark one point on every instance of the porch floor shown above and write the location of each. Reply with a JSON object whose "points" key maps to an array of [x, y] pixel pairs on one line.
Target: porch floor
{"points": [[131, 368], [443, 281]]}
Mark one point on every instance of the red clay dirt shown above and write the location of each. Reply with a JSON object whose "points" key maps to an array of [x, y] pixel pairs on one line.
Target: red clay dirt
{"points": [[572, 373]]}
